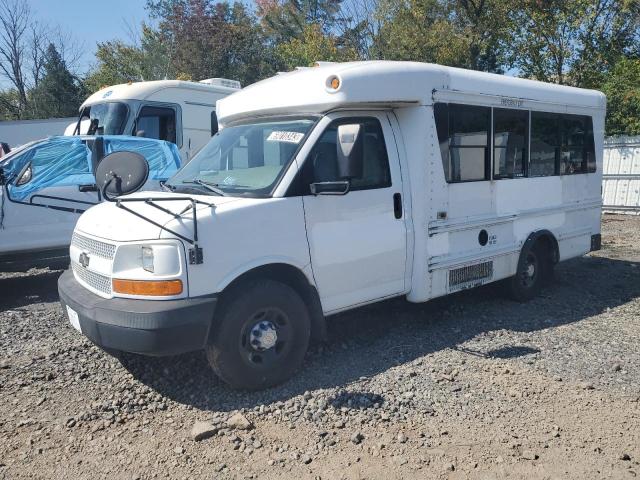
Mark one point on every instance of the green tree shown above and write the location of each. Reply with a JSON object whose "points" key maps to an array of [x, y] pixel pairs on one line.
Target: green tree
{"points": [[58, 93], [622, 88], [573, 42], [314, 46], [211, 39], [464, 33], [285, 20], [119, 62]]}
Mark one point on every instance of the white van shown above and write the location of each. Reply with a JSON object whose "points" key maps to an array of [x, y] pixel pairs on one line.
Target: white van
{"points": [[331, 188], [45, 186], [176, 111]]}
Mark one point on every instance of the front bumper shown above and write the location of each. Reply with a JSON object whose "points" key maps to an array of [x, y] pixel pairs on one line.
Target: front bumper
{"points": [[149, 327]]}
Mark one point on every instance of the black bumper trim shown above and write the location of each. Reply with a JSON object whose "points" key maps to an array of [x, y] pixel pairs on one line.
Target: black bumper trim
{"points": [[150, 327]]}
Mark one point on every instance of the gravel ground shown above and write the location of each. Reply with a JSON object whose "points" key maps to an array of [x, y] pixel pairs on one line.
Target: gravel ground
{"points": [[468, 386]]}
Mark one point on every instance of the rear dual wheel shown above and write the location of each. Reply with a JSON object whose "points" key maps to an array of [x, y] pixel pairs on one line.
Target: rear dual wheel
{"points": [[260, 336]]}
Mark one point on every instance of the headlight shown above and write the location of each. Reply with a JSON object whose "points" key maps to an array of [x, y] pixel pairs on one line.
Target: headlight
{"points": [[147, 258], [152, 268]]}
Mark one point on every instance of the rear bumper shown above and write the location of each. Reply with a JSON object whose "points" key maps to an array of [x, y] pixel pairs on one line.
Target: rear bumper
{"points": [[149, 327]]}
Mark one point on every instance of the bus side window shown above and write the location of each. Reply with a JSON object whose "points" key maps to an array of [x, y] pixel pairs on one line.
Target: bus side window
{"points": [[545, 144], [578, 154], [510, 135], [464, 141]]}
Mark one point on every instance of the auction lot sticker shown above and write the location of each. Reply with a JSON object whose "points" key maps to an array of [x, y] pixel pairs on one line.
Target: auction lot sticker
{"points": [[289, 137]]}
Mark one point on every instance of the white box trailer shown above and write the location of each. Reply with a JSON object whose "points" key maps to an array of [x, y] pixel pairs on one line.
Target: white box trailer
{"points": [[180, 112], [334, 187]]}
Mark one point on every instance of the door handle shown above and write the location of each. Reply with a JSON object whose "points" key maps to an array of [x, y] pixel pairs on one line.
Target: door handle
{"points": [[397, 205], [90, 187]]}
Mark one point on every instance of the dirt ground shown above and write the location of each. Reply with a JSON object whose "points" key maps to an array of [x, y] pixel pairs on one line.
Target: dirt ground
{"points": [[468, 386]]}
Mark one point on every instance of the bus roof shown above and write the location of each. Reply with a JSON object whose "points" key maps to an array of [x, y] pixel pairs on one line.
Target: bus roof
{"points": [[142, 90], [390, 83]]}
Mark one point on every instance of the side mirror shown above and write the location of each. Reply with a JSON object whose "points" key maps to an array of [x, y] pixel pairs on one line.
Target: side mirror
{"points": [[121, 173], [350, 150], [140, 133]]}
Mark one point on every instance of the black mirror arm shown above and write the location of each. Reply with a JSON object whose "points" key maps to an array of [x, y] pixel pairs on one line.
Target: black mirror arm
{"points": [[106, 185]]}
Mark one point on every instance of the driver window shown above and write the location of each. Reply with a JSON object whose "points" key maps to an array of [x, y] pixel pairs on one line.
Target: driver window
{"points": [[322, 166], [157, 122]]}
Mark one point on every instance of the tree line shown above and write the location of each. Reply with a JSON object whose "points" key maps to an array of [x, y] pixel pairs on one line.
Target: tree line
{"points": [[584, 43]]}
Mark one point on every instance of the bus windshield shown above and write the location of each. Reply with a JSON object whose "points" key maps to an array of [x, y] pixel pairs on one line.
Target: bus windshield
{"points": [[246, 159], [109, 118]]}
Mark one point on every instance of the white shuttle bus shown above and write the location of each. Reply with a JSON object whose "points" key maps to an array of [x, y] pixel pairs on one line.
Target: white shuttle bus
{"points": [[176, 111], [330, 188]]}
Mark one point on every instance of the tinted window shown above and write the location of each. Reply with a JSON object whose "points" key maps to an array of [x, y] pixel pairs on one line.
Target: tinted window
{"points": [[323, 165], [157, 122], [510, 128], [561, 144], [463, 134], [545, 143], [578, 153]]}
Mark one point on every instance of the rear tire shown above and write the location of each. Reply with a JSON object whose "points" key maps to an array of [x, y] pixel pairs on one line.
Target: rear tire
{"points": [[261, 335], [532, 273]]}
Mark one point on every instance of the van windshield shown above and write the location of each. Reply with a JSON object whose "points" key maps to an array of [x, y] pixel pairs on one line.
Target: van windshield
{"points": [[109, 118], [247, 159]]}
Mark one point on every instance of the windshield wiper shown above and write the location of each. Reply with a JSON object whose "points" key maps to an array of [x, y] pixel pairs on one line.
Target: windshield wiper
{"points": [[212, 187]]}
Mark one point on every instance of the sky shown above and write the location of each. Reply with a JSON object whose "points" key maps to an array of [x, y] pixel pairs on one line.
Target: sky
{"points": [[90, 21]]}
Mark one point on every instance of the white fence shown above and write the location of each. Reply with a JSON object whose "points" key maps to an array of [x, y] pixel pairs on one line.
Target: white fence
{"points": [[621, 175], [19, 132]]}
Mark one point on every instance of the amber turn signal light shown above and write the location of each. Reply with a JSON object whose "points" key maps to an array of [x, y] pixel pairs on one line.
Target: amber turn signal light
{"points": [[155, 288]]}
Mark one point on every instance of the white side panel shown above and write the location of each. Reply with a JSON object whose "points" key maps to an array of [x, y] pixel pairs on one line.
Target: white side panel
{"points": [[507, 210]]}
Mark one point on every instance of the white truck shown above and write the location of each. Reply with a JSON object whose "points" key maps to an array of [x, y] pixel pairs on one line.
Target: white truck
{"points": [[177, 111], [334, 187]]}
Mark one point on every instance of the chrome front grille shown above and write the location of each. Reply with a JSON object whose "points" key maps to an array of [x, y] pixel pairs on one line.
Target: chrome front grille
{"points": [[98, 282], [93, 247]]}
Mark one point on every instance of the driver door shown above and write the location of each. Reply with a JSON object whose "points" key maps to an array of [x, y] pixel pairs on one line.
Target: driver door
{"points": [[358, 240]]}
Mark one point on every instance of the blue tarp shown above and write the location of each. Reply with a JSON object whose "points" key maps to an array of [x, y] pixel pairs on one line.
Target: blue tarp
{"points": [[65, 161]]}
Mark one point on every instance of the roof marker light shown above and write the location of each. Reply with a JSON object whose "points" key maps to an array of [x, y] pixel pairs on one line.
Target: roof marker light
{"points": [[333, 83]]}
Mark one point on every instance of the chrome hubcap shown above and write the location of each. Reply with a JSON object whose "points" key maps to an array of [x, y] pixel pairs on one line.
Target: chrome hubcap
{"points": [[263, 336], [531, 270]]}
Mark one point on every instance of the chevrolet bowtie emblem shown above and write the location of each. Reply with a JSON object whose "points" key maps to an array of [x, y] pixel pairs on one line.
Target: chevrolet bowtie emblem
{"points": [[84, 259]]}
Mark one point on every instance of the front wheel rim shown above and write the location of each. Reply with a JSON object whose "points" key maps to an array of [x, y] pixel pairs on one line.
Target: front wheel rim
{"points": [[529, 274], [266, 337]]}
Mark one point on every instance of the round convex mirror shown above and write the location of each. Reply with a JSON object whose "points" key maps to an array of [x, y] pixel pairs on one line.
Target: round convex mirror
{"points": [[121, 173]]}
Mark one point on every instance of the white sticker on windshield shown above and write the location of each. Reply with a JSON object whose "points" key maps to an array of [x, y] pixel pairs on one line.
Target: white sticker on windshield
{"points": [[290, 137]]}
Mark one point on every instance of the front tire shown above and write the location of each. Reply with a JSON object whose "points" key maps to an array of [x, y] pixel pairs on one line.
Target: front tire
{"points": [[260, 337]]}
